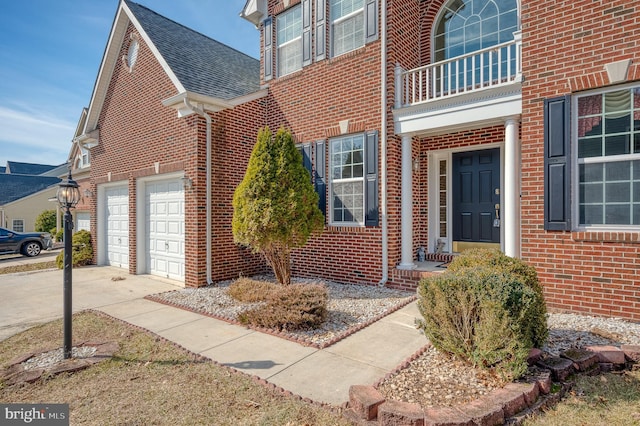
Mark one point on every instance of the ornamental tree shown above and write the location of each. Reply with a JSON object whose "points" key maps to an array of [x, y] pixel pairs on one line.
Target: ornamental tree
{"points": [[275, 208]]}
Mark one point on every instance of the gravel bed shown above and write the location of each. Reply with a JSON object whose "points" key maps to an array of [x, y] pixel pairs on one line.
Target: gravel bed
{"points": [[434, 379], [48, 359], [350, 306]]}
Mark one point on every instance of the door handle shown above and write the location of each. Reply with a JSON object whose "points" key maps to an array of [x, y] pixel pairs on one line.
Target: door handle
{"points": [[496, 221]]}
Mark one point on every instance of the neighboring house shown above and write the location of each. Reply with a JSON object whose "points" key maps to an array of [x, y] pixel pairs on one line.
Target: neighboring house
{"points": [[25, 192], [443, 125], [80, 162]]}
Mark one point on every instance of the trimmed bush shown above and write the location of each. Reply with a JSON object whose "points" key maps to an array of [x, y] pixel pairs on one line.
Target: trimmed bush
{"points": [[487, 316], [293, 307], [82, 250], [496, 261], [250, 291]]}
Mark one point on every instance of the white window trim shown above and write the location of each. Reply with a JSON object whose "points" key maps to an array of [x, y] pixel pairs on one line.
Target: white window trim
{"points": [[337, 21], [13, 224], [575, 163], [362, 179], [297, 39]]}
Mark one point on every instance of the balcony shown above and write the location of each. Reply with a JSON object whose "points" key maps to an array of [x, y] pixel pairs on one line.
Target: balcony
{"points": [[478, 88]]}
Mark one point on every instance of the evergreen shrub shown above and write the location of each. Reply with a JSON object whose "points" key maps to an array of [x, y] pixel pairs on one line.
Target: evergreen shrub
{"points": [[81, 248], [485, 313], [293, 307]]}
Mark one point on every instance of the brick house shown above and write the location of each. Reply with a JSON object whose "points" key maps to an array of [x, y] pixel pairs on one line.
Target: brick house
{"points": [[429, 126]]}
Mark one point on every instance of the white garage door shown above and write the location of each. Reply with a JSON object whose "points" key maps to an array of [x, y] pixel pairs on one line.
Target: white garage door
{"points": [[165, 228], [117, 221], [84, 221]]}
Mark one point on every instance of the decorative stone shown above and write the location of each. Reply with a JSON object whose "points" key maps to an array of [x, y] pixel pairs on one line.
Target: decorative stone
{"points": [[510, 400], [446, 416], [484, 411], [584, 359], [631, 352], [610, 354], [365, 400], [560, 368], [535, 355], [398, 413], [543, 379], [530, 391]]}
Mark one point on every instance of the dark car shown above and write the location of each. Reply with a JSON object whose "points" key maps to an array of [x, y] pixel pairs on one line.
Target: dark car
{"points": [[28, 243]]}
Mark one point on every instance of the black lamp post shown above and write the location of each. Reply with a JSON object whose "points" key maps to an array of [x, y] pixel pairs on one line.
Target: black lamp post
{"points": [[68, 196]]}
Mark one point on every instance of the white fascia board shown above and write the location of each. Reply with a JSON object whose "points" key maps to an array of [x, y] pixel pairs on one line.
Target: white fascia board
{"points": [[254, 11], [207, 103], [110, 58], [457, 113], [156, 53]]}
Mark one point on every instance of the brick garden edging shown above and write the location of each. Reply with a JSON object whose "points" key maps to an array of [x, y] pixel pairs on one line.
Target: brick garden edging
{"points": [[16, 373], [283, 334], [512, 403]]}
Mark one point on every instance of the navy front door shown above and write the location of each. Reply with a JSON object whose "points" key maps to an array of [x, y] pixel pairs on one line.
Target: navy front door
{"points": [[476, 199]]}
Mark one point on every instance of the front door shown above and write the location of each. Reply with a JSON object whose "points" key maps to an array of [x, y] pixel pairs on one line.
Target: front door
{"points": [[476, 199]]}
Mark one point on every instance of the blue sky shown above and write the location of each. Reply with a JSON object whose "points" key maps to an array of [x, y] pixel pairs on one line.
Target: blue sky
{"points": [[50, 52]]}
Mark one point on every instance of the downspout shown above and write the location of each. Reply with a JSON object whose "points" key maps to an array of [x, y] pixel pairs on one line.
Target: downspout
{"points": [[383, 143], [200, 112]]}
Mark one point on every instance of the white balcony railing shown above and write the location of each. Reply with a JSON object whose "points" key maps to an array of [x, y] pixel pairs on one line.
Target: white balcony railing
{"points": [[494, 66]]}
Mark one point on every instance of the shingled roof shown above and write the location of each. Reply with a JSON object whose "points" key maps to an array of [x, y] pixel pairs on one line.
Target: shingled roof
{"points": [[16, 186], [203, 65], [15, 167]]}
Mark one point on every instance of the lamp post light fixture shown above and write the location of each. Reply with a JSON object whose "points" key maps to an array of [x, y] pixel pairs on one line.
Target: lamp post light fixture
{"points": [[68, 196]]}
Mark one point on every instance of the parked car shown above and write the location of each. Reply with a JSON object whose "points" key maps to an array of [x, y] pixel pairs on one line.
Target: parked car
{"points": [[27, 243]]}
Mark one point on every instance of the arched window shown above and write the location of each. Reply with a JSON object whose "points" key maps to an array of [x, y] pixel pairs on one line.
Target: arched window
{"points": [[465, 26]]}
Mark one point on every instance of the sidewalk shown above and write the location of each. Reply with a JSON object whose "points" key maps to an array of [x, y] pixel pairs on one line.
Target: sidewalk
{"points": [[323, 375]]}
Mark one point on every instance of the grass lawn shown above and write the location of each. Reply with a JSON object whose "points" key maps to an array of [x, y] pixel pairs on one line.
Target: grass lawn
{"points": [[28, 267], [150, 382], [605, 400]]}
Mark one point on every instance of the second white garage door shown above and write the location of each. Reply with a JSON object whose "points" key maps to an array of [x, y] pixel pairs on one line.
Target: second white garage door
{"points": [[165, 228]]}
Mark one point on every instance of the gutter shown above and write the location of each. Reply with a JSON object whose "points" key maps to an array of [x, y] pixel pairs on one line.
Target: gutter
{"points": [[383, 143], [201, 113]]}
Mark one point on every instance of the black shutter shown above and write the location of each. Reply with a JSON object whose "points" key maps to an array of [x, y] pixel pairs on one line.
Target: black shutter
{"points": [[557, 164], [320, 181], [268, 48], [321, 30], [305, 151], [371, 179], [371, 20], [306, 32]]}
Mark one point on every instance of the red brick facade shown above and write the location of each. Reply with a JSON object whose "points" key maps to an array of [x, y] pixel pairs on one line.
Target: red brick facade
{"points": [[565, 47]]}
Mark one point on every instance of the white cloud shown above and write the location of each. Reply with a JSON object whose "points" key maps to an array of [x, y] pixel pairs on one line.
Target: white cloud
{"points": [[31, 135]]}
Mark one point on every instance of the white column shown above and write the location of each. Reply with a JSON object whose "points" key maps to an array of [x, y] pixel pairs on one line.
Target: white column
{"points": [[511, 210], [406, 261]]}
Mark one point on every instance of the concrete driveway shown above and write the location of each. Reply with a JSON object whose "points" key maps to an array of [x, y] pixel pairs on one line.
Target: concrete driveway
{"points": [[32, 298]]}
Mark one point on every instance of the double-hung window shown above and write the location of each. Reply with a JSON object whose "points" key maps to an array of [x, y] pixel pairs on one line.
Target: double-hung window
{"points": [[347, 25], [607, 128], [289, 40], [18, 225], [347, 180]]}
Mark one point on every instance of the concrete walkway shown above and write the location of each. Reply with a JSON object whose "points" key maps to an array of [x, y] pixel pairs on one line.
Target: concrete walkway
{"points": [[323, 375]]}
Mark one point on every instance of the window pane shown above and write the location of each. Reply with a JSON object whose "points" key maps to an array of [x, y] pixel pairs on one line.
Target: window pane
{"points": [[590, 126], [348, 35], [591, 215], [591, 193], [617, 214], [617, 101], [289, 40], [590, 105], [618, 171], [618, 192], [591, 172], [616, 145], [347, 155], [591, 147], [615, 123]]}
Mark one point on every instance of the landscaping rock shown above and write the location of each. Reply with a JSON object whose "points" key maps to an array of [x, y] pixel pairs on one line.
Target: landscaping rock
{"points": [[398, 413], [584, 359], [446, 416], [560, 368], [364, 401], [610, 354]]}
